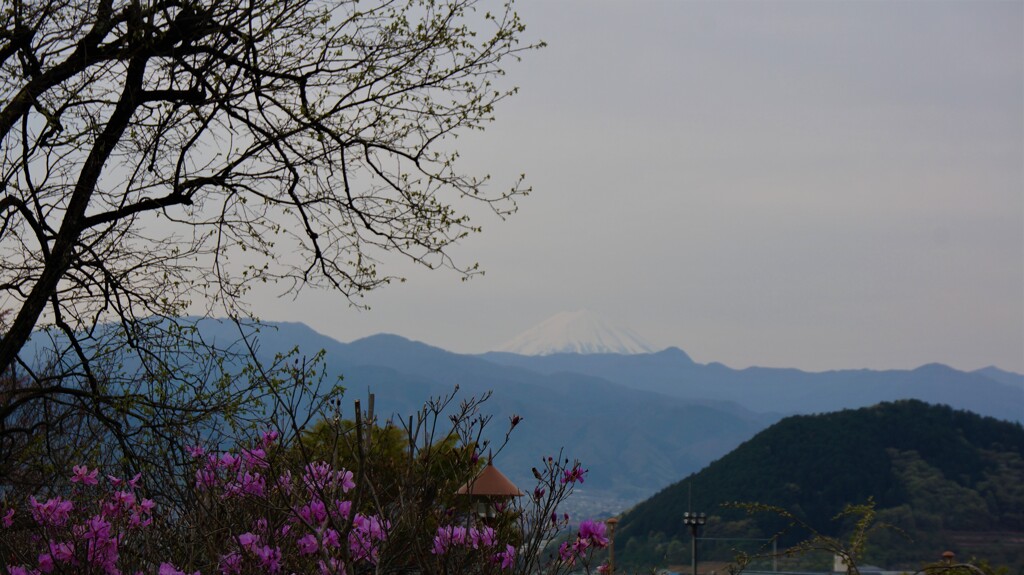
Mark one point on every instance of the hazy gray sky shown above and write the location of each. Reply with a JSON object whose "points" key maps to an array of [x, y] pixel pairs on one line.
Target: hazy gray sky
{"points": [[818, 185]]}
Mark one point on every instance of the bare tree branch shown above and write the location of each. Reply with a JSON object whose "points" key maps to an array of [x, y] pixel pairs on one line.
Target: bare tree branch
{"points": [[159, 154]]}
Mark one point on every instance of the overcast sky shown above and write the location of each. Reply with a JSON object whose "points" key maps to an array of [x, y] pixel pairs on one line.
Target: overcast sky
{"points": [[819, 185]]}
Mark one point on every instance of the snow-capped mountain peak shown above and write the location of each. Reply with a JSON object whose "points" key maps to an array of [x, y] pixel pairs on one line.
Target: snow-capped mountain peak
{"points": [[583, 332]]}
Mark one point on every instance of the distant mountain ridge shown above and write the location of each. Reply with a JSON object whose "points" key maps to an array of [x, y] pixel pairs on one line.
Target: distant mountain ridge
{"points": [[1002, 376], [614, 430], [638, 421], [672, 372], [661, 412]]}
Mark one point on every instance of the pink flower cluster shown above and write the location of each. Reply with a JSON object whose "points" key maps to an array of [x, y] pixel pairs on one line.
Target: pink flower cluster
{"points": [[590, 534], [76, 540], [235, 475], [311, 526], [276, 523], [319, 524], [450, 537], [506, 558], [574, 475]]}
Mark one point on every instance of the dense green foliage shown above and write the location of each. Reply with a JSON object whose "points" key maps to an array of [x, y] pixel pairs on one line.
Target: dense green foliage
{"points": [[938, 474]]}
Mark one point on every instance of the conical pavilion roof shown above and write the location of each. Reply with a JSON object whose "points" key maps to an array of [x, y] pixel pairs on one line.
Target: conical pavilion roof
{"points": [[490, 483]]}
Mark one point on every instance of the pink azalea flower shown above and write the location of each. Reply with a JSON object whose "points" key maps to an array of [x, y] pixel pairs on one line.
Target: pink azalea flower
{"points": [[253, 484], [54, 512], [45, 562], [284, 482], [83, 475], [269, 437], [103, 553], [270, 558], [318, 476], [124, 500], [345, 477], [248, 540], [228, 461], [313, 513], [574, 475], [459, 535], [443, 540], [366, 532], [506, 558], [255, 458], [594, 531], [205, 477], [580, 547], [97, 528], [8, 519], [449, 536], [485, 537], [247, 483], [307, 544], [63, 551], [331, 539], [344, 509], [136, 520], [565, 553]]}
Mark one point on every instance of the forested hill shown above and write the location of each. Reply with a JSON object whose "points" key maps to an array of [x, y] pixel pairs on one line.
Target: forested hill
{"points": [[932, 471]]}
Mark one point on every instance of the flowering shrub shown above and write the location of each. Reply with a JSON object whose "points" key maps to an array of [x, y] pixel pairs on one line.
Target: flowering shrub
{"points": [[450, 538], [84, 533], [269, 508], [284, 522]]}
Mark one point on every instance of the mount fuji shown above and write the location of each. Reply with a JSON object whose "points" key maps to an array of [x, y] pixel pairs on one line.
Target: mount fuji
{"points": [[581, 332]]}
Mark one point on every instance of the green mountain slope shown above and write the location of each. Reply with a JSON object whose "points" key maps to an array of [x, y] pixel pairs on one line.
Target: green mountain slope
{"points": [[937, 473]]}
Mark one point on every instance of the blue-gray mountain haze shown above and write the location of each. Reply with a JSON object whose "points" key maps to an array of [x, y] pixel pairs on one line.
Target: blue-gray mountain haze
{"points": [[638, 422]]}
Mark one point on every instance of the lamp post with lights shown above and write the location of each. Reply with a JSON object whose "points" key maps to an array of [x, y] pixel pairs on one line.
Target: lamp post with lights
{"points": [[695, 521]]}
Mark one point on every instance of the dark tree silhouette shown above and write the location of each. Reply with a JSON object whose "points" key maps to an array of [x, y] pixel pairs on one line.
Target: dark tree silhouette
{"points": [[159, 157]]}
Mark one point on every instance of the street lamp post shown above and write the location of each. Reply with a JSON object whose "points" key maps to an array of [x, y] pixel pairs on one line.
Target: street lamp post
{"points": [[694, 521]]}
